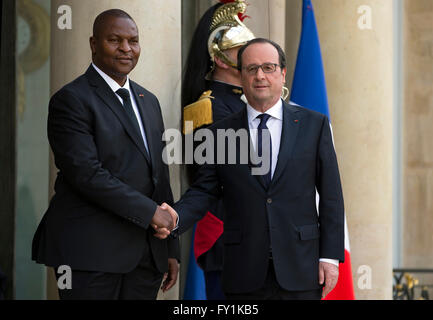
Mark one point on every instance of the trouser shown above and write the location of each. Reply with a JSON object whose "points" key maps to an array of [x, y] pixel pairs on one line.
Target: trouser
{"points": [[213, 285], [271, 290], [142, 283]]}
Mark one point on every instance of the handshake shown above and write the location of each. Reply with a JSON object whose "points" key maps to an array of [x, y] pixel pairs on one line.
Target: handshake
{"points": [[164, 221]]}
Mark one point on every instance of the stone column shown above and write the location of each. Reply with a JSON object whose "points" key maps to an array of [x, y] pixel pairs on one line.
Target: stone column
{"points": [[358, 63], [159, 67], [268, 19], [277, 21], [417, 251], [293, 33]]}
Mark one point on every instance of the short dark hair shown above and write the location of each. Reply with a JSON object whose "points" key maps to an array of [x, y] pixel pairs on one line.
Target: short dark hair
{"points": [[281, 55], [99, 20]]}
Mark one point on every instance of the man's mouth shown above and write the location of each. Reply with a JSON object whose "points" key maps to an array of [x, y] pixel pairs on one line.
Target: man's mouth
{"points": [[261, 86], [124, 59]]}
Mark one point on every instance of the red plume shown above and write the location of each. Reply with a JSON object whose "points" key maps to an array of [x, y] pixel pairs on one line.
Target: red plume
{"points": [[240, 15]]}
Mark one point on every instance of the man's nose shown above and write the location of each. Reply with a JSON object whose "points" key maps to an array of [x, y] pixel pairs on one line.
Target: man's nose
{"points": [[124, 46], [260, 74]]}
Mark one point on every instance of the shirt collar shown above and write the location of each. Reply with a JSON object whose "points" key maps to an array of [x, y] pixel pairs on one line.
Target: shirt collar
{"points": [[111, 83], [276, 111]]}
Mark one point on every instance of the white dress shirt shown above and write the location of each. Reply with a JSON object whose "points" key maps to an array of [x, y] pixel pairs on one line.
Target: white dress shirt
{"points": [[275, 126], [115, 86]]}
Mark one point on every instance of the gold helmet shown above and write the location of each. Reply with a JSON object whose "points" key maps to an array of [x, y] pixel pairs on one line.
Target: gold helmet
{"points": [[227, 30]]}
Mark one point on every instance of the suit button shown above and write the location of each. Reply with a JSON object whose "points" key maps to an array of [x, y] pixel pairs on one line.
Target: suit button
{"points": [[269, 200]]}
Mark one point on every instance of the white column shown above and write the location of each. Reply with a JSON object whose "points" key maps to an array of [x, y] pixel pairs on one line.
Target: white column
{"points": [[267, 19], [359, 74], [359, 71]]}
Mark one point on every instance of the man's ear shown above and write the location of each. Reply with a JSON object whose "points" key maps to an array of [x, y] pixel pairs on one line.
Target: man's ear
{"points": [[220, 63], [92, 42], [283, 72]]}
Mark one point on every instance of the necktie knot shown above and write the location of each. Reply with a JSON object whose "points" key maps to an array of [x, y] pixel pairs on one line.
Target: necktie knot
{"points": [[123, 93], [264, 117]]}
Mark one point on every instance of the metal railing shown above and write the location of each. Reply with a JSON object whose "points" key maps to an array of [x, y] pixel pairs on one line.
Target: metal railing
{"points": [[406, 286]]}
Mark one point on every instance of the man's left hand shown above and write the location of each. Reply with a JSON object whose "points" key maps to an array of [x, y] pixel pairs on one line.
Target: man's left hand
{"points": [[328, 274], [170, 277]]}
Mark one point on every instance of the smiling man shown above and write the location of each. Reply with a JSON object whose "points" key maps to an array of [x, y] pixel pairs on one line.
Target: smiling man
{"points": [[276, 245], [105, 133]]}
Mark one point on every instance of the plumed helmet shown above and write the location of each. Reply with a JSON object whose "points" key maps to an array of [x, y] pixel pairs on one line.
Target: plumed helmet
{"points": [[227, 30]]}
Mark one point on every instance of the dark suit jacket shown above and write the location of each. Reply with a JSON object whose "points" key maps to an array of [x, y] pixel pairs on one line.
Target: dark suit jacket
{"points": [[283, 216], [225, 102], [108, 187]]}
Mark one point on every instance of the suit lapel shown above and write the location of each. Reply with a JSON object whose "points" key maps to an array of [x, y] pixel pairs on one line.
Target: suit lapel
{"points": [[109, 98], [289, 134]]}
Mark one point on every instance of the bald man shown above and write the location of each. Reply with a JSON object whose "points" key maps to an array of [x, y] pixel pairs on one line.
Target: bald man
{"points": [[105, 133]]}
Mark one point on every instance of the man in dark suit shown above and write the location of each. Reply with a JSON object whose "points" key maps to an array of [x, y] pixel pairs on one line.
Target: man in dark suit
{"points": [[105, 132], [276, 246]]}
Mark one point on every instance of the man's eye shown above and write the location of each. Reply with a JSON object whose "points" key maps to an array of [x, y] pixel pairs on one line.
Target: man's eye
{"points": [[252, 68], [268, 67]]}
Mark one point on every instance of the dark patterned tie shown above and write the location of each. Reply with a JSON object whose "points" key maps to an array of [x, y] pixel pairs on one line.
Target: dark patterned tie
{"points": [[264, 117], [124, 94]]}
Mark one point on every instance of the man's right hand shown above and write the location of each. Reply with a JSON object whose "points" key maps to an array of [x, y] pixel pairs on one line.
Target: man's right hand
{"points": [[163, 222], [162, 231]]}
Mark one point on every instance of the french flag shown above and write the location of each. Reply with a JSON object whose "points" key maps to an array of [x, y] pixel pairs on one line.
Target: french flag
{"points": [[309, 91]]}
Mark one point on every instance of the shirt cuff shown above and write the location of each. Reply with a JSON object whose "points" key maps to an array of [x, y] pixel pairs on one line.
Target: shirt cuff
{"points": [[332, 261], [177, 223]]}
